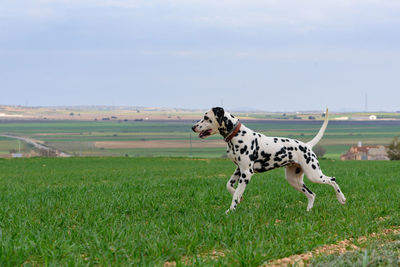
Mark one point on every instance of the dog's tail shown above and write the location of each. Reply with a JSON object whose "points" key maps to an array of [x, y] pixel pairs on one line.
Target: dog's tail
{"points": [[321, 132]]}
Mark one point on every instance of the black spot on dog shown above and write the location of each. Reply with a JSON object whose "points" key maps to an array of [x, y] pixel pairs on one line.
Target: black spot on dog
{"points": [[240, 141], [243, 175], [275, 140], [246, 181], [308, 190], [298, 170], [313, 166], [243, 149], [254, 155], [265, 155], [219, 114]]}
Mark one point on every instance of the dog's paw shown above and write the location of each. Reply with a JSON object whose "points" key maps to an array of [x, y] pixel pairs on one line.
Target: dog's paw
{"points": [[341, 199], [229, 210]]}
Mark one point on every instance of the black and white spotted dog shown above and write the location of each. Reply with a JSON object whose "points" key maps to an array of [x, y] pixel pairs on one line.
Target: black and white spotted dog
{"points": [[253, 152]]}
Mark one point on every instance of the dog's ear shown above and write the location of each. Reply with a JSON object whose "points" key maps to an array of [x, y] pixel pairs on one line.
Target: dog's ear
{"points": [[219, 114]]}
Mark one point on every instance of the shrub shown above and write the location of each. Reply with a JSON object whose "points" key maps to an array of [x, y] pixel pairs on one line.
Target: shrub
{"points": [[394, 149], [319, 151]]}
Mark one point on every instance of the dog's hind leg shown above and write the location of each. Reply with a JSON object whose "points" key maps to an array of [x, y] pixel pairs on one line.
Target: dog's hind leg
{"points": [[234, 178], [315, 175], [294, 176]]}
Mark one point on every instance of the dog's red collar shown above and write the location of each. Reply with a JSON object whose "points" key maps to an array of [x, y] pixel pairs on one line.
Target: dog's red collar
{"points": [[235, 131]]}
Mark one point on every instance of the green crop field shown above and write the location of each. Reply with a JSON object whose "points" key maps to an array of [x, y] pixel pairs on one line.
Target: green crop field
{"points": [[80, 137], [149, 211]]}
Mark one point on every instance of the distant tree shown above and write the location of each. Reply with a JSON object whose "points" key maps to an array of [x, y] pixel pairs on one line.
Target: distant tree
{"points": [[394, 149], [319, 151], [71, 114], [12, 151], [311, 117]]}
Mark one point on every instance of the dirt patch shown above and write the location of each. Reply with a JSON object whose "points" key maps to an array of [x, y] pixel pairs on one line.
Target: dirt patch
{"points": [[160, 144], [339, 248]]}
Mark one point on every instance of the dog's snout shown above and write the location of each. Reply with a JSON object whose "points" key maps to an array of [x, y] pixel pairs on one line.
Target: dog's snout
{"points": [[194, 128]]}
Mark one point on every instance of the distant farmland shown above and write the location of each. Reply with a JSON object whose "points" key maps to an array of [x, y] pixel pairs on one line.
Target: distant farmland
{"points": [[174, 138]]}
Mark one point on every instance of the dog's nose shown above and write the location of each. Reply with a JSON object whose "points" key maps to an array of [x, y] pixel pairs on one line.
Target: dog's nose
{"points": [[194, 128]]}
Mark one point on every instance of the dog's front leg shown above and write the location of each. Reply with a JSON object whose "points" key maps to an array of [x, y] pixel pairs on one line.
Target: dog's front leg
{"points": [[235, 176], [237, 196]]}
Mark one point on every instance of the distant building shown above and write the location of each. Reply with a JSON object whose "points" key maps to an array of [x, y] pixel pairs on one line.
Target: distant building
{"points": [[372, 117], [361, 152]]}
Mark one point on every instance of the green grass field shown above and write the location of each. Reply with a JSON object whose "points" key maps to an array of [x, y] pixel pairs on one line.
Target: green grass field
{"points": [[147, 211]]}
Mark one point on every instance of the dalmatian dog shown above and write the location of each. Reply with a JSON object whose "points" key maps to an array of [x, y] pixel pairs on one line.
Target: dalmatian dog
{"points": [[253, 152]]}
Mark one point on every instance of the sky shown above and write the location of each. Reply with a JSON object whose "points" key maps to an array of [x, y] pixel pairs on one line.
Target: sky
{"points": [[272, 55]]}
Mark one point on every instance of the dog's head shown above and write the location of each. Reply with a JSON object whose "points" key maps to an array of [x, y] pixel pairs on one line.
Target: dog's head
{"points": [[215, 120]]}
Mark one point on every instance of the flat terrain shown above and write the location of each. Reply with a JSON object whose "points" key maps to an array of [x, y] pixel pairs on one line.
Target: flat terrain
{"points": [[152, 211], [175, 138]]}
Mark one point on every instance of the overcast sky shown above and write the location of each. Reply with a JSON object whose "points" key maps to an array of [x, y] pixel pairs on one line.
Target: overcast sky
{"points": [[276, 55]]}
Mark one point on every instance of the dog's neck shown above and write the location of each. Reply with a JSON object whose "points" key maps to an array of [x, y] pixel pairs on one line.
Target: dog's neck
{"points": [[229, 126], [234, 132]]}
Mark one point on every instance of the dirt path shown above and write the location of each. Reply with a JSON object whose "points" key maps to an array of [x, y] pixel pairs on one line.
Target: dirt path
{"points": [[339, 248], [36, 144]]}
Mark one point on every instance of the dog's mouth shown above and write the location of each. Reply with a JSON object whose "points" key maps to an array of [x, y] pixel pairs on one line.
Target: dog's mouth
{"points": [[204, 134]]}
